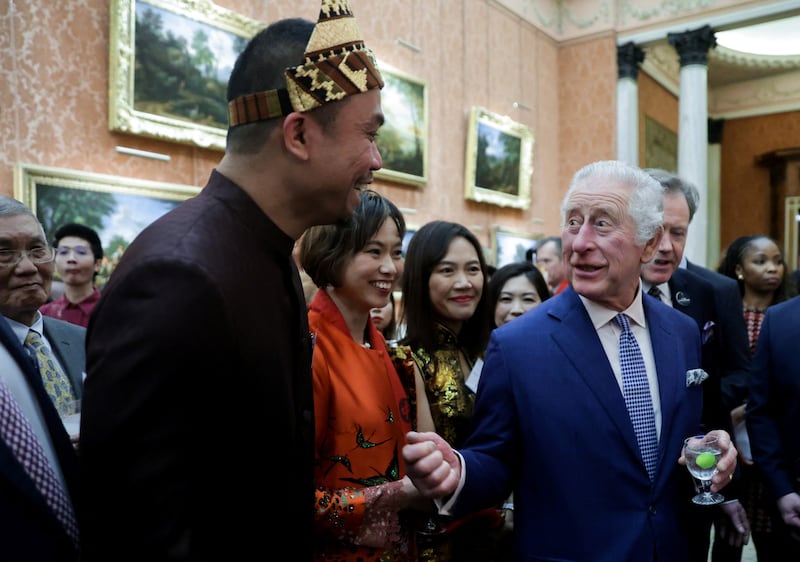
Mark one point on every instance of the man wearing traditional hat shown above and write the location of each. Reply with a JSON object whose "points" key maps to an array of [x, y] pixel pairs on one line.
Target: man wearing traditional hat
{"points": [[198, 428]]}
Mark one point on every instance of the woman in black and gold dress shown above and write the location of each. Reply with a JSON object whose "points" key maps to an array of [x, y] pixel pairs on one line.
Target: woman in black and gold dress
{"points": [[446, 311]]}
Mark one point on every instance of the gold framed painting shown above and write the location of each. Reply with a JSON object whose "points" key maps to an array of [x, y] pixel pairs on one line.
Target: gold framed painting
{"points": [[499, 160], [169, 64], [403, 139], [509, 246], [118, 208]]}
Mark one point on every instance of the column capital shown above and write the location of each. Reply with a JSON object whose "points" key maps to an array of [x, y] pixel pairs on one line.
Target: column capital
{"points": [[693, 46], [629, 57]]}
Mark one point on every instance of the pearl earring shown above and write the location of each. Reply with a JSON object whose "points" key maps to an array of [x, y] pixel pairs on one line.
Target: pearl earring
{"points": [[740, 277]]}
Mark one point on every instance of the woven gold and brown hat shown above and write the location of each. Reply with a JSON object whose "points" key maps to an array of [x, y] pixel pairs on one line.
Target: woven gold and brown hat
{"points": [[336, 65]]}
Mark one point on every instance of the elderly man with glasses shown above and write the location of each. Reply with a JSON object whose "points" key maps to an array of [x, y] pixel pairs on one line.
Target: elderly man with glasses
{"points": [[38, 466]]}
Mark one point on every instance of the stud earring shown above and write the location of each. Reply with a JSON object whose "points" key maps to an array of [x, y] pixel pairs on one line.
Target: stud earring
{"points": [[740, 277]]}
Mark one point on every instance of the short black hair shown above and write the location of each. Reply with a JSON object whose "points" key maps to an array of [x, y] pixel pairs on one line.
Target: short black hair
{"points": [[260, 67], [80, 231]]}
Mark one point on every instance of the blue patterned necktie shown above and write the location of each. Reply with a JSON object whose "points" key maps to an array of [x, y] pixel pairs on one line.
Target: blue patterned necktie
{"points": [[636, 391], [54, 378]]}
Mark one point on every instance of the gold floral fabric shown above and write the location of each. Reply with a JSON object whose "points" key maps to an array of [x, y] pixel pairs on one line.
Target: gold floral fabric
{"points": [[451, 401]]}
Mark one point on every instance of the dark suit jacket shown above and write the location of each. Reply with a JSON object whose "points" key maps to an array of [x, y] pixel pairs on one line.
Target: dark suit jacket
{"points": [[28, 528], [68, 342], [733, 335], [694, 296], [197, 414], [551, 425], [773, 409]]}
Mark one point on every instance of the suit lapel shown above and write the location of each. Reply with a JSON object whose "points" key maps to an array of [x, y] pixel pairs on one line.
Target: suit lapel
{"points": [[670, 383], [577, 332], [682, 297], [58, 435]]}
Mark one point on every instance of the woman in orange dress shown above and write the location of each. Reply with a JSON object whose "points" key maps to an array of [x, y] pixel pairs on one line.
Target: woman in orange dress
{"points": [[363, 404]]}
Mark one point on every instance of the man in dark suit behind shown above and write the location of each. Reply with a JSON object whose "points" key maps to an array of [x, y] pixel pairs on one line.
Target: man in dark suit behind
{"points": [[728, 301], [724, 352], [563, 440], [197, 418], [29, 527]]}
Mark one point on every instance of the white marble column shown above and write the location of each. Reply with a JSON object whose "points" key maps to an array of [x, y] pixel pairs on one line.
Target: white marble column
{"points": [[714, 187], [692, 47], [629, 56]]}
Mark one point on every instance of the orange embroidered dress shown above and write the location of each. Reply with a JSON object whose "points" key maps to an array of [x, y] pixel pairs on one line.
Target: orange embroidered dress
{"points": [[362, 414]]}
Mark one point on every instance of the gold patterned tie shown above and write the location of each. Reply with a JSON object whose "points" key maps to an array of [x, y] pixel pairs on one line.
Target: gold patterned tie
{"points": [[54, 378]]}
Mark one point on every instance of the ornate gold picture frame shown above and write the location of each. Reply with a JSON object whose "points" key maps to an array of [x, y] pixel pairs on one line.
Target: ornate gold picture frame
{"points": [[499, 162], [118, 208], [403, 139], [169, 64]]}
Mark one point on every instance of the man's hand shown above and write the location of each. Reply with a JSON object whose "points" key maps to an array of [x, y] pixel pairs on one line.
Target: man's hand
{"points": [[726, 465], [432, 465], [789, 506], [733, 524]]}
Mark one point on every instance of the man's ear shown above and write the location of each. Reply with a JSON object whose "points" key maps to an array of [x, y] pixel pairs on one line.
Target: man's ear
{"points": [[651, 245], [295, 134]]}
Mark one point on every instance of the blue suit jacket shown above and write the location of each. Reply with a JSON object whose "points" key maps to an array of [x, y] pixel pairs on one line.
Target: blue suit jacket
{"points": [[28, 528], [550, 424], [773, 410]]}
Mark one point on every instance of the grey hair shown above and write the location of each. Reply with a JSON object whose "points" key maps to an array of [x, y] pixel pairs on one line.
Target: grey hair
{"points": [[674, 184], [10, 207], [646, 200]]}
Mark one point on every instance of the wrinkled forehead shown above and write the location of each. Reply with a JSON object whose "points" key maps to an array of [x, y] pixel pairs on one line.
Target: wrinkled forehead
{"points": [[20, 228], [604, 196]]}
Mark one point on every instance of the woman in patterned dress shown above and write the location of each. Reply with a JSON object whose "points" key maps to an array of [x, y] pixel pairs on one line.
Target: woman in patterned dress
{"points": [[363, 404], [447, 318]]}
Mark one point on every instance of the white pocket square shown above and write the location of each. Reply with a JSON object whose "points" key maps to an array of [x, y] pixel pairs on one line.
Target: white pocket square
{"points": [[695, 377]]}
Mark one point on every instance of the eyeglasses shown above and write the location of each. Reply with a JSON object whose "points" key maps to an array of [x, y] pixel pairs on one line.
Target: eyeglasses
{"points": [[38, 255], [80, 251]]}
